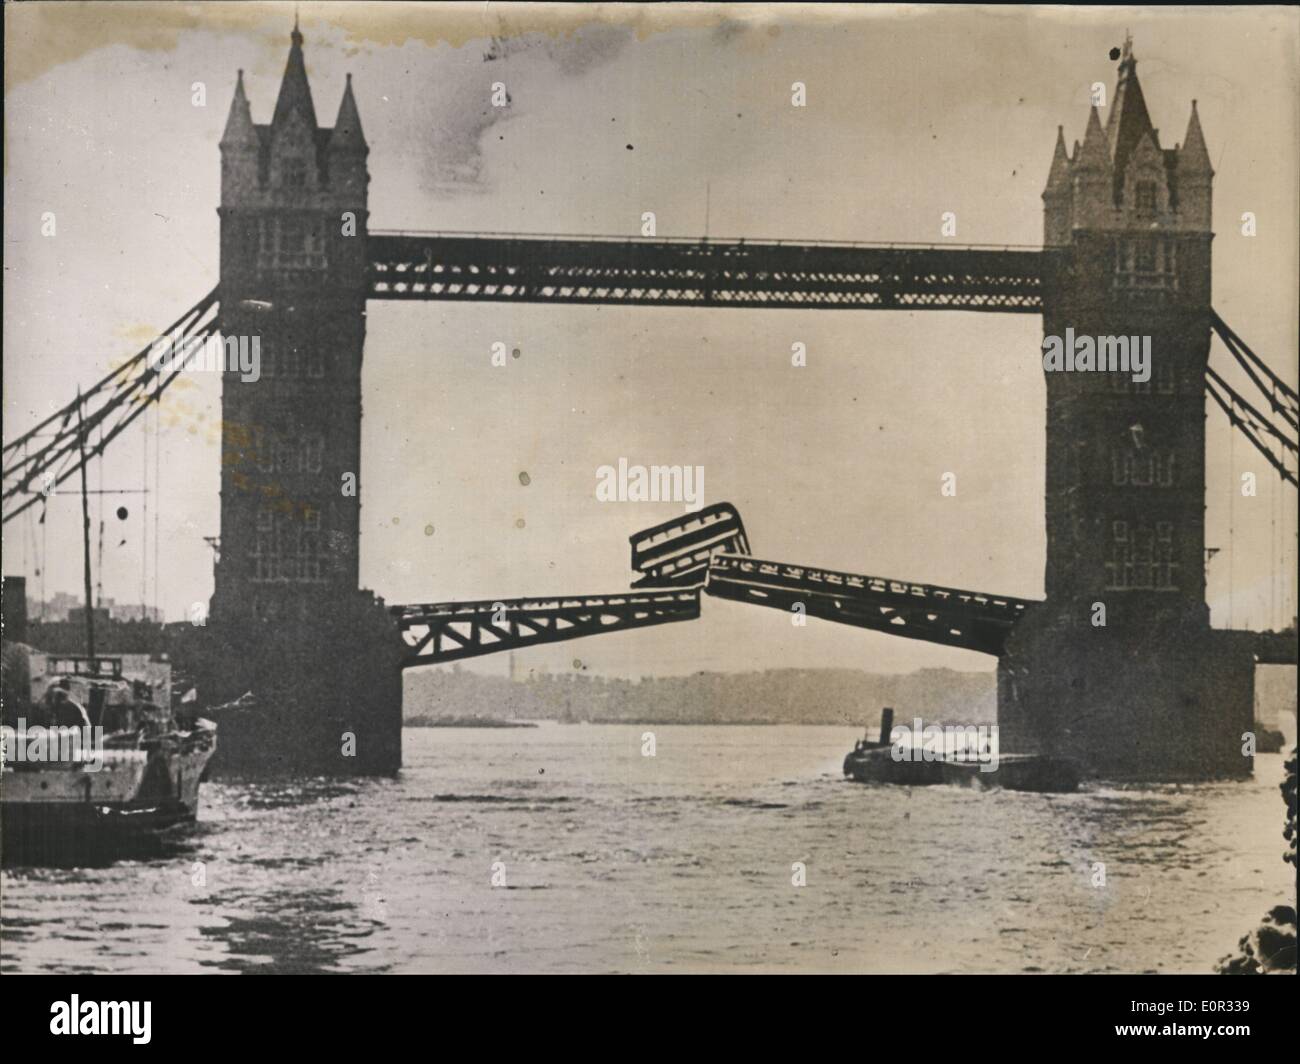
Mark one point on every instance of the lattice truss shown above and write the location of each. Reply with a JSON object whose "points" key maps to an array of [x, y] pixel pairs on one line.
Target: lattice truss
{"points": [[967, 619], [709, 552], [703, 273], [448, 631]]}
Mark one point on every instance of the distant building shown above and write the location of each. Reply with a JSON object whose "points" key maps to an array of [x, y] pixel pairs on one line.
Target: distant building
{"points": [[53, 609], [77, 615], [133, 611], [64, 607]]}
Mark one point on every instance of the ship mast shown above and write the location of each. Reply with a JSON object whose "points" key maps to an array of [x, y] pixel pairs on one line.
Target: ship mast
{"points": [[85, 529]]}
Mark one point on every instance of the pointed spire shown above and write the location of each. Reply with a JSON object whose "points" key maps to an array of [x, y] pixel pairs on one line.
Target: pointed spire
{"points": [[239, 125], [1128, 120], [1059, 175], [1194, 157], [347, 127], [1093, 155], [295, 93]]}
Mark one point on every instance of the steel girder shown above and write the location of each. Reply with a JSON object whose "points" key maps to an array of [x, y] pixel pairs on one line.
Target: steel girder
{"points": [[527, 269], [448, 631], [966, 619]]}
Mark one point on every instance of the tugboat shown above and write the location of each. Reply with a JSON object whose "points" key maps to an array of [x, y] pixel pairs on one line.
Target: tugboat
{"points": [[96, 764], [873, 761]]}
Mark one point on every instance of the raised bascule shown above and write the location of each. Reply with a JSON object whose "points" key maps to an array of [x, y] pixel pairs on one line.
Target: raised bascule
{"points": [[1153, 692]]}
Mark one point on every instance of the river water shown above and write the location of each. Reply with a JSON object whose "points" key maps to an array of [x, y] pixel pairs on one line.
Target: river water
{"points": [[608, 860]]}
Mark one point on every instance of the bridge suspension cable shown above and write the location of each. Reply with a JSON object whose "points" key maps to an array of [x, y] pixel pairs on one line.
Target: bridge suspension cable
{"points": [[1289, 403], [1273, 434], [37, 462], [1250, 423]]}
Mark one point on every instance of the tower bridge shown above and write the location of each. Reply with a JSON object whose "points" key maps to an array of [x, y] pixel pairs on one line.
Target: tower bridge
{"points": [[1156, 692]]}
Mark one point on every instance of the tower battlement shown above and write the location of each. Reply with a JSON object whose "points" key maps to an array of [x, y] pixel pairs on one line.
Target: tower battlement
{"points": [[291, 162], [1121, 179]]}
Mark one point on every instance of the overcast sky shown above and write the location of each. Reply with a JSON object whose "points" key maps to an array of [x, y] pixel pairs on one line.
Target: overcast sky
{"points": [[909, 114]]}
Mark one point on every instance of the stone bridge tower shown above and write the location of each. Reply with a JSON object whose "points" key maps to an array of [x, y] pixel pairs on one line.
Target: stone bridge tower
{"points": [[286, 609], [1153, 688]]}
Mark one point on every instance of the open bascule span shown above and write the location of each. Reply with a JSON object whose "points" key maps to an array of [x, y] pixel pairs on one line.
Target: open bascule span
{"points": [[1155, 693]]}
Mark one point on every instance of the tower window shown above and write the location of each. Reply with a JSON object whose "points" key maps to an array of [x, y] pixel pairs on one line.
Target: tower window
{"points": [[290, 360], [1146, 197], [1141, 468], [264, 450], [291, 549], [264, 545], [1165, 468], [295, 173], [1142, 559], [313, 451], [287, 459], [1170, 259], [291, 243], [1145, 263]]}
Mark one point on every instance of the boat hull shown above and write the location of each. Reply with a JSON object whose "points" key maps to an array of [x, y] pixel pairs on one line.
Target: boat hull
{"points": [[59, 811], [1015, 772]]}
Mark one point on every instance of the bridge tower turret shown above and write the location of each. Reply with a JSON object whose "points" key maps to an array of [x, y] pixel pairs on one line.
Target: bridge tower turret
{"points": [[293, 271], [290, 278], [1119, 666]]}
